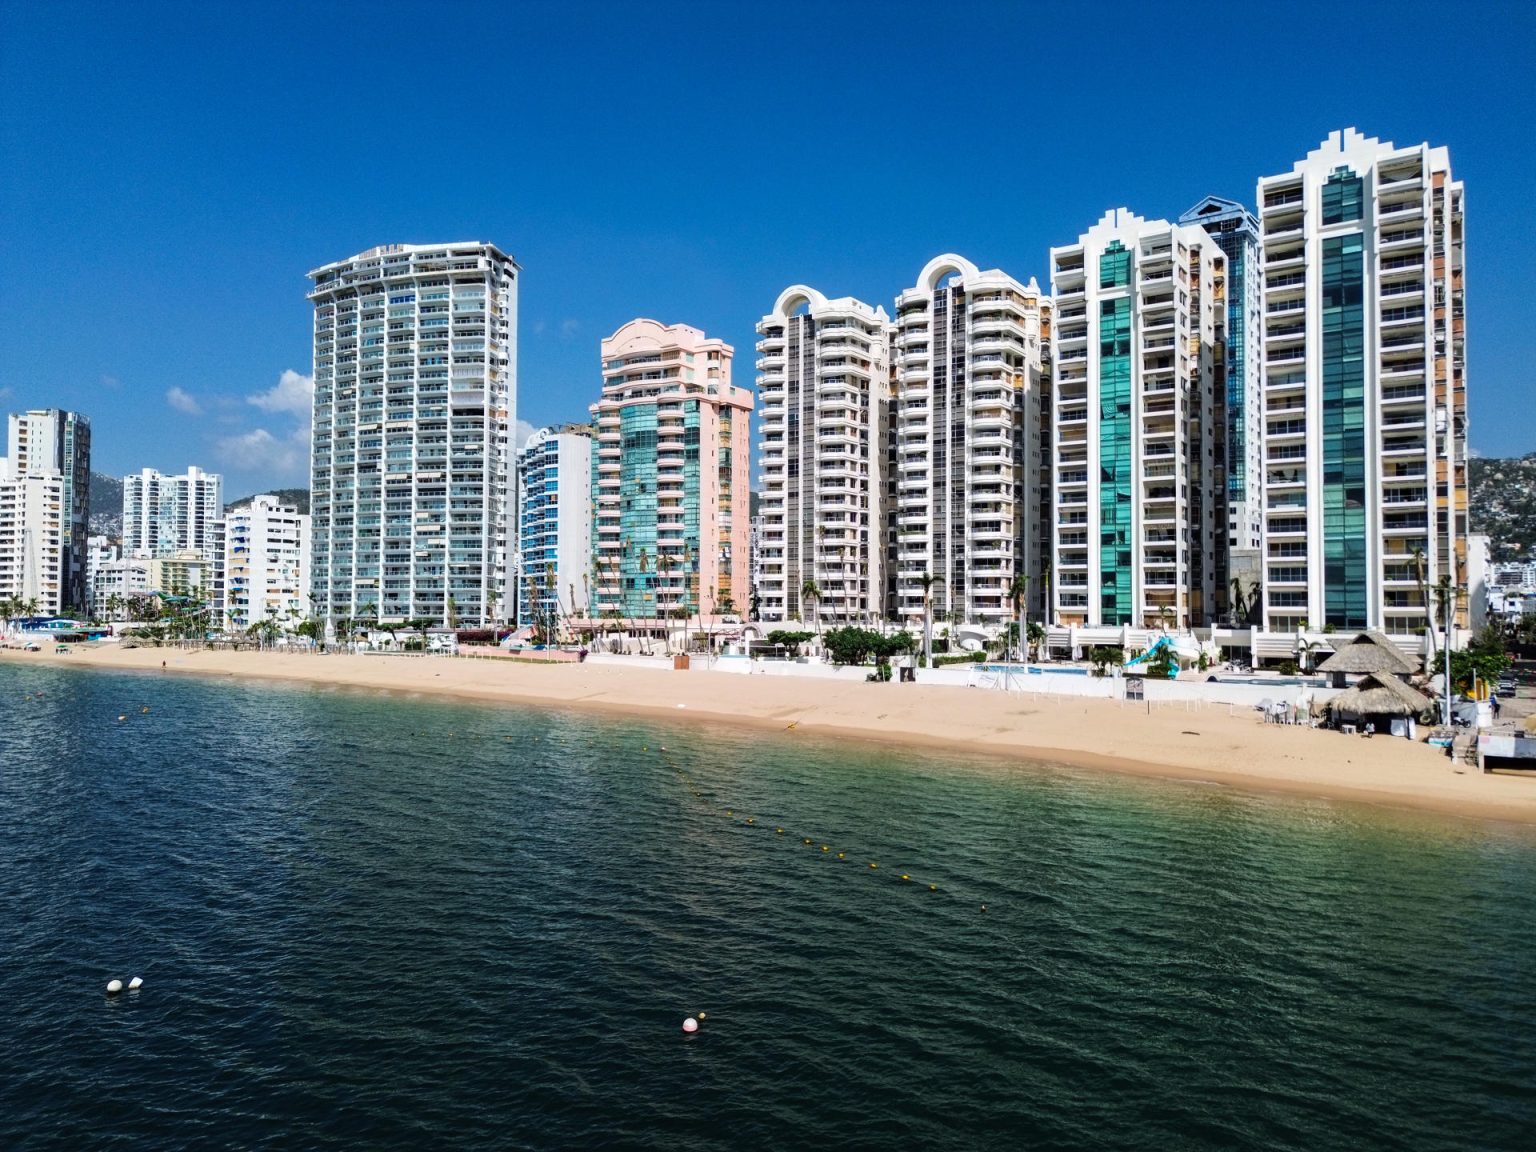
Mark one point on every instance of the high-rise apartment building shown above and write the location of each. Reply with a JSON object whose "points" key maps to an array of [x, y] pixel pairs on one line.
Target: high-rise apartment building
{"points": [[411, 466], [825, 385], [554, 529], [1364, 386], [265, 569], [669, 477], [973, 369], [55, 443], [1141, 310], [34, 530], [1239, 477], [166, 515]]}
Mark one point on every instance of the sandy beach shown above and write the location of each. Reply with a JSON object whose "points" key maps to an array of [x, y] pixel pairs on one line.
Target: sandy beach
{"points": [[1221, 744]]}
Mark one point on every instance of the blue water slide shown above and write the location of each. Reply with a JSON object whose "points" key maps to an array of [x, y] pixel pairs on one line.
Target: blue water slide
{"points": [[1150, 654]]}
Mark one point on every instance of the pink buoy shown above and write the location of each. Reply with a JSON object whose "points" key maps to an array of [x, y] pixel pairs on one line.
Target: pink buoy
{"points": [[690, 1025]]}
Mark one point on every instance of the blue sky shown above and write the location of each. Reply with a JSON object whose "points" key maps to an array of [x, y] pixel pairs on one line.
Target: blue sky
{"points": [[168, 173]]}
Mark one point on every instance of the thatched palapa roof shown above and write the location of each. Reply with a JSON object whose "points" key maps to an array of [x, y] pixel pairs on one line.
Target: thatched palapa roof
{"points": [[1380, 695], [1370, 652]]}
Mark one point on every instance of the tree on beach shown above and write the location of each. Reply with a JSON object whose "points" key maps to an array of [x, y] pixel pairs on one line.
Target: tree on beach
{"points": [[1304, 650], [1420, 577], [928, 580], [1036, 636], [1018, 595], [810, 591]]}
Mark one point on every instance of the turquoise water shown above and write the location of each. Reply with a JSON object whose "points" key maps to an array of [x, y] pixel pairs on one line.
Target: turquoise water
{"points": [[392, 923]]}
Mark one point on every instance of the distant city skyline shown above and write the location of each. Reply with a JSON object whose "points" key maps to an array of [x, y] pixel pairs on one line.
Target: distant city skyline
{"points": [[167, 183]]}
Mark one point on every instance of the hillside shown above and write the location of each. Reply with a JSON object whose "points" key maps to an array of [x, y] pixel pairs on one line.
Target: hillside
{"points": [[299, 497], [1503, 504], [104, 509]]}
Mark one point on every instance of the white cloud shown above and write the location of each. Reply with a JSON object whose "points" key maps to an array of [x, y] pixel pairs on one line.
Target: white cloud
{"points": [[521, 433], [183, 401], [538, 327], [279, 460], [111, 383], [293, 393], [568, 328], [5, 392]]}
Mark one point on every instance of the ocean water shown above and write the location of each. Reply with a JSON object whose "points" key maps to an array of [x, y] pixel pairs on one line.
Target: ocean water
{"points": [[395, 923]]}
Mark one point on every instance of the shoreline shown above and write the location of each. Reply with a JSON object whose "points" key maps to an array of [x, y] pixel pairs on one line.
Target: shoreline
{"points": [[1214, 744]]}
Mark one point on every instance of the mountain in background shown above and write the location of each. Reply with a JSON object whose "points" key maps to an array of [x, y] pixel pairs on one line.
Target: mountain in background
{"points": [[298, 497], [104, 509], [1502, 496]]}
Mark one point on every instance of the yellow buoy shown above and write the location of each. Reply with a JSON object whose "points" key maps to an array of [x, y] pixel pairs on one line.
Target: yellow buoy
{"points": [[872, 864], [933, 887], [806, 840], [839, 855], [703, 1016], [728, 812], [904, 876], [749, 820], [123, 717], [144, 710], [823, 847]]}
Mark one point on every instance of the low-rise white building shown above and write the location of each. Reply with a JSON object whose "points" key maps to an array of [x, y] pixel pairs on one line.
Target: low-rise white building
{"points": [[117, 582], [265, 564]]}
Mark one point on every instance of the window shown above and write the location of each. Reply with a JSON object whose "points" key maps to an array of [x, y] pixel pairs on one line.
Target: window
{"points": [[1342, 197]]}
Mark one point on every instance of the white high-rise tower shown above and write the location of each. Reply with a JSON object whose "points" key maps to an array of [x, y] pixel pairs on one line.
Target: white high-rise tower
{"points": [[415, 402], [1364, 387], [825, 384], [1141, 316], [972, 374]]}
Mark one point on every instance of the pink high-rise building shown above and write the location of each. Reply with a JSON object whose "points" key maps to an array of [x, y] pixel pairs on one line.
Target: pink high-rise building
{"points": [[670, 489]]}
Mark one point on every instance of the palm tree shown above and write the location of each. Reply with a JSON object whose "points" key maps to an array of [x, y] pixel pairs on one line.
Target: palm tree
{"points": [[928, 580], [1237, 612], [1018, 595], [645, 567], [811, 591], [1304, 649], [1420, 574], [1036, 638]]}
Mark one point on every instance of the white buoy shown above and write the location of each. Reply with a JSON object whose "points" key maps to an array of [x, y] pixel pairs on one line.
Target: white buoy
{"points": [[114, 987], [689, 1025], [135, 984]]}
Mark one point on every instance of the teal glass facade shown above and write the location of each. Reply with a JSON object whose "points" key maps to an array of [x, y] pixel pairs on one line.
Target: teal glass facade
{"points": [[1343, 428], [1115, 440], [637, 510], [643, 568]]}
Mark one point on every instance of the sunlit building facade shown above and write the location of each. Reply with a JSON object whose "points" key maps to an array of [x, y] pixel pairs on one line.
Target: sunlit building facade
{"points": [[970, 408], [824, 384], [1364, 386], [1141, 309], [415, 400], [670, 492]]}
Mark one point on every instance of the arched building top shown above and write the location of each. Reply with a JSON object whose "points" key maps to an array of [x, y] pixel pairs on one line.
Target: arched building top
{"points": [[935, 270]]}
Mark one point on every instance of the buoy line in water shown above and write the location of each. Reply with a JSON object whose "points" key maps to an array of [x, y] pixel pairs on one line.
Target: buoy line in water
{"points": [[778, 831]]}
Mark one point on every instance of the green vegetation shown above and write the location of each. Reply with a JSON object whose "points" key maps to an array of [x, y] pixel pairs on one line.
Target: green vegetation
{"points": [[1483, 659], [104, 505], [1103, 657], [860, 645], [791, 641], [1502, 496], [298, 497]]}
